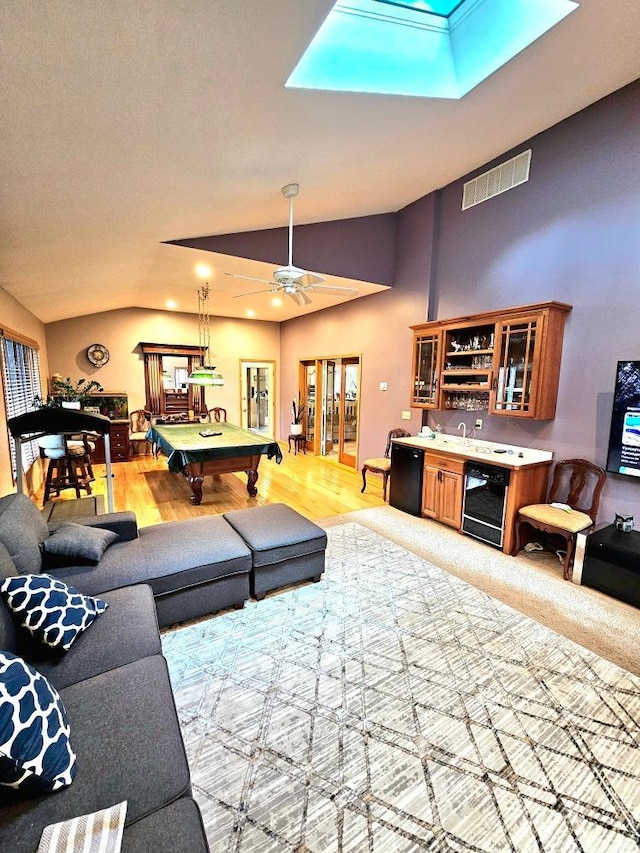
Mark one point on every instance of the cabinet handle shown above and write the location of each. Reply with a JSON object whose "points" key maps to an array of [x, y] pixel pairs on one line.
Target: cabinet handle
{"points": [[495, 383]]}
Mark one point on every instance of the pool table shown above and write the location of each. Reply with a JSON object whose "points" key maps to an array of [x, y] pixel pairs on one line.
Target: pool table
{"points": [[196, 450]]}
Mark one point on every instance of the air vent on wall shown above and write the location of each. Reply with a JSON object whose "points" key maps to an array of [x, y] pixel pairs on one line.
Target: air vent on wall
{"points": [[498, 180]]}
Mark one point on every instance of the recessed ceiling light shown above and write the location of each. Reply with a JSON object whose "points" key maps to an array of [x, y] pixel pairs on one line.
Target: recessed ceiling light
{"points": [[250, 312], [276, 302], [203, 271], [171, 304]]}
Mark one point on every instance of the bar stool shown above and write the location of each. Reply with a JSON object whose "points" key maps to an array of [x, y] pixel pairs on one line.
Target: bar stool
{"points": [[69, 464]]}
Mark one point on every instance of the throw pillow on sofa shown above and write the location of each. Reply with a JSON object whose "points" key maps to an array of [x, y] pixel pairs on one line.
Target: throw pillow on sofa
{"points": [[35, 753], [100, 831], [54, 613], [72, 542]]}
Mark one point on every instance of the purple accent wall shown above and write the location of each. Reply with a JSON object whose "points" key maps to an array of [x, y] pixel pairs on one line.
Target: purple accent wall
{"points": [[572, 233], [362, 248], [376, 327]]}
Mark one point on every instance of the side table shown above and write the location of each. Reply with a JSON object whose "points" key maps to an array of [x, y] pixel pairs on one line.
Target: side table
{"points": [[609, 561], [299, 442]]}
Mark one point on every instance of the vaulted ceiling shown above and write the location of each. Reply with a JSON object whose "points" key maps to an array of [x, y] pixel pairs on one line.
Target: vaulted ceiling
{"points": [[129, 124]]}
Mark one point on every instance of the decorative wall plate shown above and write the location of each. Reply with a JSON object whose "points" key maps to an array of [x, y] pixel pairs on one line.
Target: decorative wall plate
{"points": [[98, 354]]}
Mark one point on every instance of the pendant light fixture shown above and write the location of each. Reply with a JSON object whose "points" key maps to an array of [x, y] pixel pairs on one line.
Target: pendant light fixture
{"points": [[204, 374]]}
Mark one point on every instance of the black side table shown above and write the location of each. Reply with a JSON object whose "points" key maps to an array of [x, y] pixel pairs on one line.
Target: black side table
{"points": [[609, 560], [299, 442]]}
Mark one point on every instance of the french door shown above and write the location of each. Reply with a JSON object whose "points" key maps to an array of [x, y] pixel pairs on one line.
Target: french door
{"points": [[330, 388]]}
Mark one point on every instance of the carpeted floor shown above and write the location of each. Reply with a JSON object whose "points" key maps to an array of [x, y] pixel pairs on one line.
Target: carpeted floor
{"points": [[394, 707], [532, 583]]}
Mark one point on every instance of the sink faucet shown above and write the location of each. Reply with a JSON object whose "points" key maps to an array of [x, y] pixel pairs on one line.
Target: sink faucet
{"points": [[464, 431]]}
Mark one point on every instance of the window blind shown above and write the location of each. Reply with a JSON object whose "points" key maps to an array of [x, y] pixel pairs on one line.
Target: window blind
{"points": [[21, 384]]}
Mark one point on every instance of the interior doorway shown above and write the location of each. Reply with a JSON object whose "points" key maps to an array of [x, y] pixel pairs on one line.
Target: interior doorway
{"points": [[330, 389], [257, 396]]}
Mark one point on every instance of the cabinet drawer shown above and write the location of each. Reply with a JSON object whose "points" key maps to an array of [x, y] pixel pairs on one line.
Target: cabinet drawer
{"points": [[118, 441], [445, 463]]}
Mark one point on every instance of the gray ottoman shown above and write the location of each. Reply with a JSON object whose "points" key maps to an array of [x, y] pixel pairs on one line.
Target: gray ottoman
{"points": [[286, 547]]}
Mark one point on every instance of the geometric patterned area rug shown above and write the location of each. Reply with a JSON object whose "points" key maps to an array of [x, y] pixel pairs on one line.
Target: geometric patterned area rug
{"points": [[393, 707]]}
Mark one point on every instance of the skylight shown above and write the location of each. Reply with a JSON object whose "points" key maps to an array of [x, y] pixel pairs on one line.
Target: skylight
{"points": [[437, 7], [436, 49]]}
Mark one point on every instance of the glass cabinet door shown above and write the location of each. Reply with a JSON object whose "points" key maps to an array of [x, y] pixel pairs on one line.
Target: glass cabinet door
{"points": [[426, 352], [514, 380]]}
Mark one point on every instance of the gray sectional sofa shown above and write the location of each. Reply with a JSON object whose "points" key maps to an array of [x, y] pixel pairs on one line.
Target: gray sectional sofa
{"points": [[113, 681], [124, 729]]}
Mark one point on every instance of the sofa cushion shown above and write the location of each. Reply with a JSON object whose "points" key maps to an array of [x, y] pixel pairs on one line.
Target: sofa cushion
{"points": [[35, 754], [22, 532], [193, 551], [122, 523], [169, 557], [126, 631], [54, 613], [127, 738], [276, 532], [7, 566], [8, 633], [8, 640], [77, 543], [177, 828]]}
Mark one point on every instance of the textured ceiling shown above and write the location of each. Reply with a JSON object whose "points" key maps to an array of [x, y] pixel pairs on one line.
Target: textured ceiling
{"points": [[130, 123]]}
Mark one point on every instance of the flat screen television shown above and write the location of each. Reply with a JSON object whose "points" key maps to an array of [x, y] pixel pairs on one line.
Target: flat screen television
{"points": [[624, 437]]}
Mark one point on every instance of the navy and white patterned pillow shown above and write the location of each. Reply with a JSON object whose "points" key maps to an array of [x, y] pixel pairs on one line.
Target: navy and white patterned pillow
{"points": [[54, 613], [35, 753]]}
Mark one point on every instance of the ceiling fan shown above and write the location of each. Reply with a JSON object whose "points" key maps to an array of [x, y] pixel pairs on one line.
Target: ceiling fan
{"points": [[290, 280]]}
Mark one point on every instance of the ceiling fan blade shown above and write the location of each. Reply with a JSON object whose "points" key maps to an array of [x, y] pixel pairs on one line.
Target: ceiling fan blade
{"points": [[249, 278], [253, 292], [329, 288], [310, 278], [298, 296]]}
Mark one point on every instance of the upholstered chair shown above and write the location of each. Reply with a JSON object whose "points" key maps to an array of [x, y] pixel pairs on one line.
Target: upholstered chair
{"points": [[382, 464], [572, 507], [139, 422]]}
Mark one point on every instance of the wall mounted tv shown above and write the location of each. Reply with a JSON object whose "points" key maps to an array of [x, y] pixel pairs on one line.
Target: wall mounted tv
{"points": [[624, 436]]}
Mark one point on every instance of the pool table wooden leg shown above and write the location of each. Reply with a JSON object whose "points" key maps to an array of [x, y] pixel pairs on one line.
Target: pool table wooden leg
{"points": [[196, 487], [252, 479]]}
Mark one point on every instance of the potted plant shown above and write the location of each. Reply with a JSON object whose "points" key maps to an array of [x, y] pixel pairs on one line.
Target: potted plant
{"points": [[297, 412], [72, 395]]}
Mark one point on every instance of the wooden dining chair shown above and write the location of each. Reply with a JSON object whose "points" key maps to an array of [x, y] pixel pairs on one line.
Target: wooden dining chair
{"points": [[219, 414], [577, 486], [139, 422], [382, 464]]}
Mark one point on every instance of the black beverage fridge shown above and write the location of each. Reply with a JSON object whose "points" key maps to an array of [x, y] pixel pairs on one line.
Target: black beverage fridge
{"points": [[407, 466]]}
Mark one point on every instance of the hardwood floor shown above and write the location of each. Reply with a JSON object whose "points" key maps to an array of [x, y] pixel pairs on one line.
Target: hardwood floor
{"points": [[315, 487]]}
